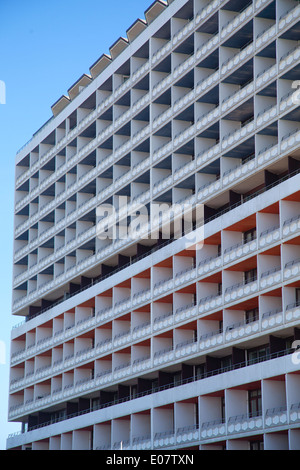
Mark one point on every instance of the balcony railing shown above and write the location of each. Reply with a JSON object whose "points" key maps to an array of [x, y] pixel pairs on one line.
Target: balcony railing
{"points": [[271, 271], [238, 245], [210, 334], [271, 313], [244, 417], [164, 434], [240, 284], [270, 230], [291, 219], [275, 411], [215, 422], [242, 323]]}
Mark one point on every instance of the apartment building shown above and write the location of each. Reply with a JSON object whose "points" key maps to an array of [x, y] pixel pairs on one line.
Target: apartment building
{"points": [[186, 339]]}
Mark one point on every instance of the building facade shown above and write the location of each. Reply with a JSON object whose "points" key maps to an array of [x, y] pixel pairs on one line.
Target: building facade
{"points": [[181, 333]]}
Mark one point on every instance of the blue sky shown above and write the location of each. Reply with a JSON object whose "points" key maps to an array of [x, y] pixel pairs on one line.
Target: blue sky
{"points": [[45, 47]]}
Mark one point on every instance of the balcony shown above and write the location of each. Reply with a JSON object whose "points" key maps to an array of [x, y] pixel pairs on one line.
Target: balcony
{"points": [[276, 416], [294, 413], [186, 348], [211, 340], [247, 422], [141, 443], [292, 312], [164, 439], [213, 429], [291, 226], [210, 302], [209, 265], [270, 277], [104, 346], [163, 321], [291, 269], [162, 356], [272, 319], [239, 250], [247, 166], [121, 338], [240, 290], [269, 236], [242, 329], [141, 330], [187, 434]]}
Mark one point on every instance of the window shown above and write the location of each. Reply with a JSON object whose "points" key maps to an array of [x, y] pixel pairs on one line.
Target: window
{"points": [[133, 391], [255, 354], [57, 416], [196, 410], [177, 378], [223, 409], [249, 235], [199, 371], [24, 427], [220, 288], [289, 342], [226, 362], [95, 403], [154, 384], [250, 276], [254, 402], [257, 445], [298, 296], [251, 315]]}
